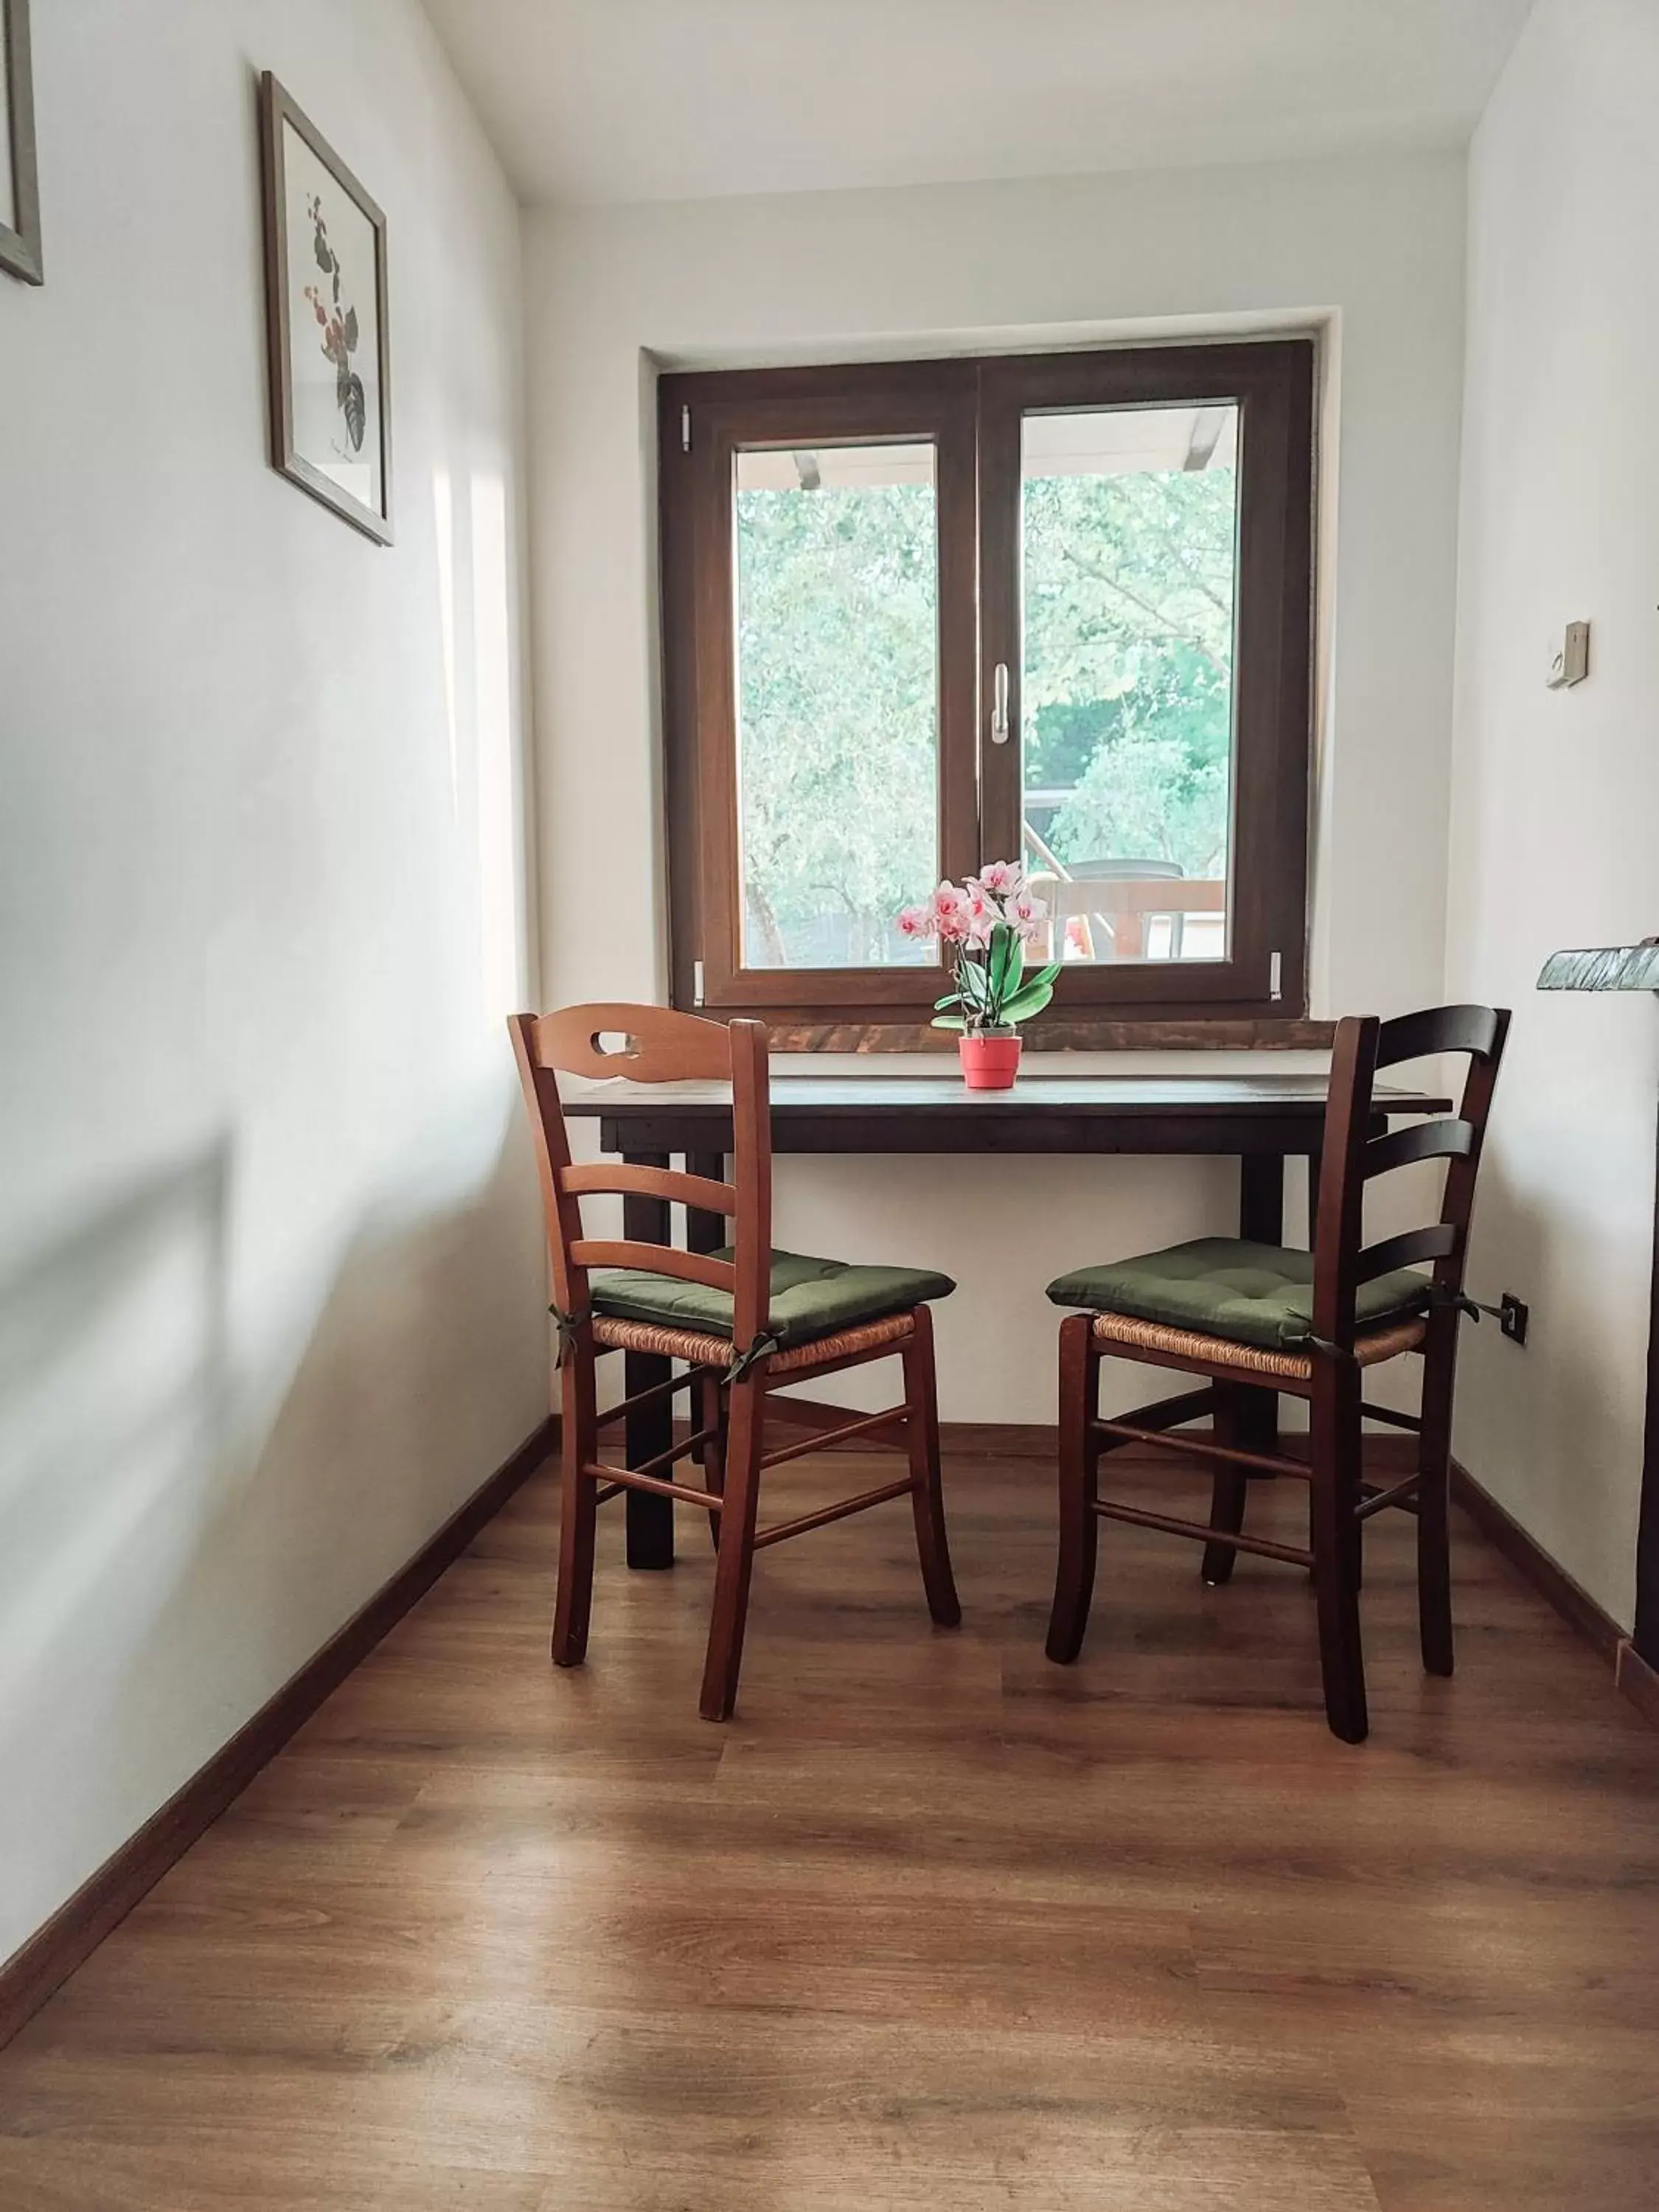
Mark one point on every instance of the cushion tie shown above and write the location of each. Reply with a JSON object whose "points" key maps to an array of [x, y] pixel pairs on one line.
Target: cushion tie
{"points": [[568, 1327], [762, 1348], [1312, 1343]]}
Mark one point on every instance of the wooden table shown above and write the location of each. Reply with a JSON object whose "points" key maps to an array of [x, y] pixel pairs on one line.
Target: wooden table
{"points": [[1263, 1119]]}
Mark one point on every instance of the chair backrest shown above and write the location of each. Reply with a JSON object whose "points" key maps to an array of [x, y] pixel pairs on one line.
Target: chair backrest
{"points": [[650, 1044], [1356, 1152]]}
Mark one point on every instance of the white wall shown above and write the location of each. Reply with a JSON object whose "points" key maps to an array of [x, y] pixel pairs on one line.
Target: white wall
{"points": [[1556, 794], [270, 1277], [1372, 249]]}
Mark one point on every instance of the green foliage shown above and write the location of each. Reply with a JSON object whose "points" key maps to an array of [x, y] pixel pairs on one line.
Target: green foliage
{"points": [[837, 659], [1127, 684], [1147, 798], [1126, 698]]}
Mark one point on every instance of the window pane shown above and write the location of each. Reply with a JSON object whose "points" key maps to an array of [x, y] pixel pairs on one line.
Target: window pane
{"points": [[1129, 520], [838, 693]]}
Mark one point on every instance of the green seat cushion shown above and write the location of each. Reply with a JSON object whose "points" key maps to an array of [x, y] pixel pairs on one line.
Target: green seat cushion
{"points": [[810, 1297], [1222, 1286]]}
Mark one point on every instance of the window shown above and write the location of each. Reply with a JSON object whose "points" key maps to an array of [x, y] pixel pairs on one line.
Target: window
{"points": [[922, 615], [837, 678]]}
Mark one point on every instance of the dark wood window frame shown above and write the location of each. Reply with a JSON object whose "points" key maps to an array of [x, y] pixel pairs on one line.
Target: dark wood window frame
{"points": [[970, 412]]}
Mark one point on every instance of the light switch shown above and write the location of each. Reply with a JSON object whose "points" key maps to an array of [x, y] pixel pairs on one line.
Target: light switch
{"points": [[1571, 665]]}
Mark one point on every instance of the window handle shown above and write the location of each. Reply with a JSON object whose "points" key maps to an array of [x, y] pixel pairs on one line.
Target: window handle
{"points": [[1000, 704]]}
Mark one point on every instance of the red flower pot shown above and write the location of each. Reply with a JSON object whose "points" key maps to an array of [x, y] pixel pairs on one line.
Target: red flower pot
{"points": [[989, 1062]]}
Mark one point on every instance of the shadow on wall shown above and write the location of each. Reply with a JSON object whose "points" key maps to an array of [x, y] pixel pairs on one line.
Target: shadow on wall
{"points": [[114, 1374], [184, 1520]]}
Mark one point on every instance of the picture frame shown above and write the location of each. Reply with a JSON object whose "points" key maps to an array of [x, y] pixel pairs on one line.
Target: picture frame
{"points": [[20, 189], [326, 316]]}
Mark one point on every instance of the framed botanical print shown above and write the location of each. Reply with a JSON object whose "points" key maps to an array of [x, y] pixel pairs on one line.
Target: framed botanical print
{"points": [[20, 200], [325, 287]]}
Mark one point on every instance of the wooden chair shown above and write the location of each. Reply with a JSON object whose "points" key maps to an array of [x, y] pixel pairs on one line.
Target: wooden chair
{"points": [[1118, 899], [1305, 1323], [745, 1319]]}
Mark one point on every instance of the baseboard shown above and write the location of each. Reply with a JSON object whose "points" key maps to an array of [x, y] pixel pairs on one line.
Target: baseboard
{"points": [[1638, 1682], [978, 1439], [1505, 1534], [51, 1956], [1001, 1439], [1014, 1439]]}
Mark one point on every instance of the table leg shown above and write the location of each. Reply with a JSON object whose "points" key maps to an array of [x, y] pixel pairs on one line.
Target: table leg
{"points": [[1260, 1221], [705, 1232], [650, 1431]]}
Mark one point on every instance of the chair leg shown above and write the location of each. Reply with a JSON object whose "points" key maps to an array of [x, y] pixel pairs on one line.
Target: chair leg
{"points": [[1434, 1497], [926, 1494], [1313, 1544], [578, 1506], [1230, 1492], [736, 1557], [711, 1414], [1335, 1492], [1079, 1464]]}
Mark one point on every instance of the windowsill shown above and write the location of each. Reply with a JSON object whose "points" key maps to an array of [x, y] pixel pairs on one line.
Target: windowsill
{"points": [[1277, 1033]]}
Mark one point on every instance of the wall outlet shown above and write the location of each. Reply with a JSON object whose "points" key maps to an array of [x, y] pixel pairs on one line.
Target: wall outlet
{"points": [[1513, 1317]]}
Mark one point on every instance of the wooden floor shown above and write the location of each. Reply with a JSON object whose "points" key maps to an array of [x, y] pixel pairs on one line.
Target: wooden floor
{"points": [[933, 1924]]}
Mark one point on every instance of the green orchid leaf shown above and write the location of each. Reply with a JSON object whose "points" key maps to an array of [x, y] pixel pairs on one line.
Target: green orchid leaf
{"points": [[951, 999], [1016, 967], [997, 966], [1008, 968], [1031, 1001], [948, 1022]]}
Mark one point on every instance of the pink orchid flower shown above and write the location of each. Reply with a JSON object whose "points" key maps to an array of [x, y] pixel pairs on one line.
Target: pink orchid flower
{"points": [[1027, 914], [947, 910], [1003, 879], [982, 916], [914, 921]]}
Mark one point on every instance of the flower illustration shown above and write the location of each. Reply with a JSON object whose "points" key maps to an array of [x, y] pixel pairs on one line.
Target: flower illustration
{"points": [[339, 329]]}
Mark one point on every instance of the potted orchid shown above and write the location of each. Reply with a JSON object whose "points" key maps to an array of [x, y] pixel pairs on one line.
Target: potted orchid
{"points": [[982, 927]]}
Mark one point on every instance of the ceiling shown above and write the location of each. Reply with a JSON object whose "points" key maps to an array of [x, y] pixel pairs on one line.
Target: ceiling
{"points": [[596, 101]]}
